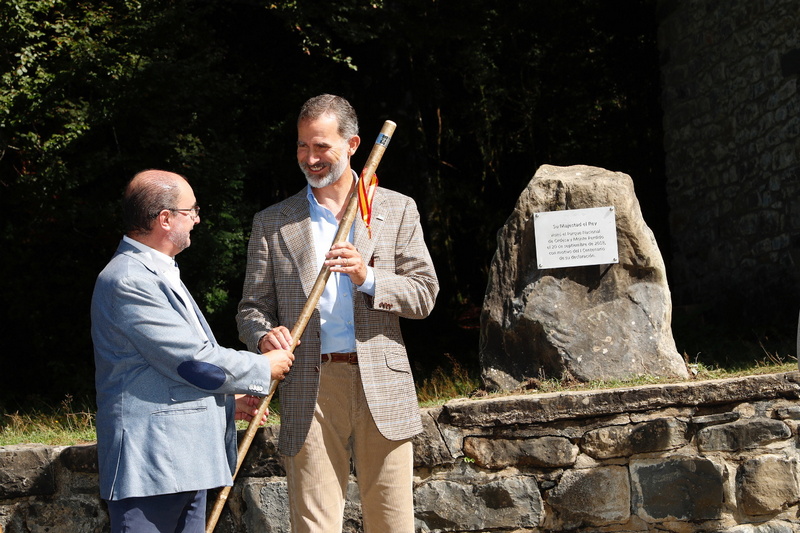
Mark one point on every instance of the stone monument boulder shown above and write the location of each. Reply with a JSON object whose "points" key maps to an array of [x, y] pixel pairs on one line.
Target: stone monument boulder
{"points": [[597, 322]]}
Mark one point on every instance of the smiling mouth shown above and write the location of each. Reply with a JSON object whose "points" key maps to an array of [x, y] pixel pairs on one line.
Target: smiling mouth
{"points": [[318, 167]]}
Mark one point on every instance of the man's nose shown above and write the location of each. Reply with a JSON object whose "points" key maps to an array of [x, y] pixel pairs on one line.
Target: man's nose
{"points": [[312, 158]]}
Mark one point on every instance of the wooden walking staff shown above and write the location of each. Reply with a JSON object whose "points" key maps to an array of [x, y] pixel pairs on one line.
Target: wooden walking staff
{"points": [[305, 315]]}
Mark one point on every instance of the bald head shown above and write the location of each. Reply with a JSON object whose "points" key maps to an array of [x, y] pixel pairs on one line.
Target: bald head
{"points": [[146, 195]]}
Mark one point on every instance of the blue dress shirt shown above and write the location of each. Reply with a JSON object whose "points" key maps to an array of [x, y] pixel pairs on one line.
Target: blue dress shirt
{"points": [[338, 333]]}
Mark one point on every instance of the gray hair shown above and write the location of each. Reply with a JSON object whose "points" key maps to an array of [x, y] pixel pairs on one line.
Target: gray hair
{"points": [[147, 194], [329, 104]]}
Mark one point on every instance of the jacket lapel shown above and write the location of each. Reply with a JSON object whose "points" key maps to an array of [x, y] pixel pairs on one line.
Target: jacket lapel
{"points": [[200, 316], [184, 307], [295, 231], [362, 241]]}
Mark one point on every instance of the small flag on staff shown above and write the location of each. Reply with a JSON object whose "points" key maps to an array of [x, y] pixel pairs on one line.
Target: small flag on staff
{"points": [[366, 191]]}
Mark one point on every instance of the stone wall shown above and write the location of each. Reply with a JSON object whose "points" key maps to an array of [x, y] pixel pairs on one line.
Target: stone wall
{"points": [[732, 137], [718, 455]]}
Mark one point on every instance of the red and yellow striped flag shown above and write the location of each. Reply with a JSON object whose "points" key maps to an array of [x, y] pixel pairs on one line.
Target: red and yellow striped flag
{"points": [[365, 193]]}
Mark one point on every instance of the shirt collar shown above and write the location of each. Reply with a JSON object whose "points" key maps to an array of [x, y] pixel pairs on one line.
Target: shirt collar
{"points": [[157, 259], [310, 196], [313, 199]]}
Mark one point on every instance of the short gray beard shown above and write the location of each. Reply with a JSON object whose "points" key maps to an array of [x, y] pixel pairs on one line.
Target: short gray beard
{"points": [[335, 172]]}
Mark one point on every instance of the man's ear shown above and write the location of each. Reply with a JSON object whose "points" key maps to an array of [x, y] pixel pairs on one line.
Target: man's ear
{"points": [[353, 144], [164, 219]]}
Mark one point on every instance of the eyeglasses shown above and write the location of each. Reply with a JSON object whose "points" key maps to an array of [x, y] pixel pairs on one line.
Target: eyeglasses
{"points": [[193, 212]]}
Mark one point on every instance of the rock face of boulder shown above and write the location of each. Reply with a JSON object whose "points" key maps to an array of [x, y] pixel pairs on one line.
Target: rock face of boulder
{"points": [[588, 322]]}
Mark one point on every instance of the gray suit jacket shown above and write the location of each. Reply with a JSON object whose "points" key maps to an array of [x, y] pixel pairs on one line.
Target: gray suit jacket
{"points": [[281, 271], [164, 395]]}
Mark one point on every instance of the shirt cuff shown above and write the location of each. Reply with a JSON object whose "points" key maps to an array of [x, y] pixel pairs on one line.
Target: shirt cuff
{"points": [[368, 287]]}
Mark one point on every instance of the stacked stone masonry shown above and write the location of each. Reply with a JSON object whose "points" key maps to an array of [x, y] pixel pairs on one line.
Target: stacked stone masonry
{"points": [[718, 455], [732, 145]]}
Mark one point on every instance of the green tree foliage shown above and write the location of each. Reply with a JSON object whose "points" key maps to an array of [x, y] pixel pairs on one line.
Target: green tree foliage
{"points": [[483, 93]]}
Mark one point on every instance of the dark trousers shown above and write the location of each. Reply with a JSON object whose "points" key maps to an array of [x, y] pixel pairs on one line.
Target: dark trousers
{"points": [[182, 512]]}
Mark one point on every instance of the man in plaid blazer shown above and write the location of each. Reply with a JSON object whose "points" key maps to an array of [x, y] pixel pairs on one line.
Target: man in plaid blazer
{"points": [[350, 392]]}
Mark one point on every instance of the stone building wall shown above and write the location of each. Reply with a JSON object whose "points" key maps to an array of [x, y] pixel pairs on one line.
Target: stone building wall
{"points": [[732, 137], [708, 456]]}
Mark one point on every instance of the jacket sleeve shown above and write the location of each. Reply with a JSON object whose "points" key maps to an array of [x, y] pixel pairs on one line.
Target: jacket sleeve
{"points": [[405, 279], [257, 313], [145, 318]]}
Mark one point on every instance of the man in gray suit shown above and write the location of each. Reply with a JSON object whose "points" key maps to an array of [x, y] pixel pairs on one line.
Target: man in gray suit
{"points": [[350, 392], [166, 408]]}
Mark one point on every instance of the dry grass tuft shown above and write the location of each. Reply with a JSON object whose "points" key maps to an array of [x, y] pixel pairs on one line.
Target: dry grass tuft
{"points": [[61, 425]]}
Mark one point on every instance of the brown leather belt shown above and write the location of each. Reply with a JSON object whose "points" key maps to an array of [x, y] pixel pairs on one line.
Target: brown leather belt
{"points": [[348, 357]]}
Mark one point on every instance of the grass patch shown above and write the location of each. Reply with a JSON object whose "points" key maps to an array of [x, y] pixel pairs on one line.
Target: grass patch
{"points": [[69, 424], [62, 425], [447, 383], [770, 363], [700, 373]]}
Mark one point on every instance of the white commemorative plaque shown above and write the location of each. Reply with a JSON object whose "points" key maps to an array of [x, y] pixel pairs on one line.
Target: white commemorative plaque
{"points": [[576, 237]]}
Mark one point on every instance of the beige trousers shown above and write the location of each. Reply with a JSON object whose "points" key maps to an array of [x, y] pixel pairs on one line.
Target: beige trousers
{"points": [[318, 475]]}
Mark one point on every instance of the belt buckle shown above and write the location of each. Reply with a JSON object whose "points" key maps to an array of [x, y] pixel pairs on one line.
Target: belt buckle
{"points": [[328, 356]]}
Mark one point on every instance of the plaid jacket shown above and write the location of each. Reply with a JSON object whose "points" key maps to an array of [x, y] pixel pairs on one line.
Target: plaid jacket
{"points": [[281, 271]]}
